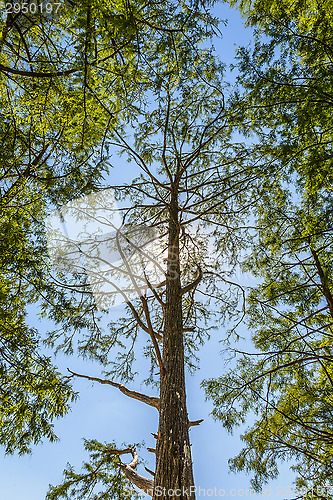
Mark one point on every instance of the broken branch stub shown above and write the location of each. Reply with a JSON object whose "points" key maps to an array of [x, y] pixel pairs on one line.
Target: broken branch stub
{"points": [[145, 484]]}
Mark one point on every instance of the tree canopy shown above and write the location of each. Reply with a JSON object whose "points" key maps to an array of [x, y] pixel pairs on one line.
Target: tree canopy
{"points": [[64, 76], [74, 85], [286, 381], [93, 82]]}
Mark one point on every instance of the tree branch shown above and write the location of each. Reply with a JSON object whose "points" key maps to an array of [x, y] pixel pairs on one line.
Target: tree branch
{"points": [[37, 74], [149, 400], [150, 471], [323, 279], [145, 484], [195, 422], [194, 283]]}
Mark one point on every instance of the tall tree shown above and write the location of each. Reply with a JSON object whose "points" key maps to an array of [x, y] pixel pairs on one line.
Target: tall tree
{"points": [[287, 380], [191, 194]]}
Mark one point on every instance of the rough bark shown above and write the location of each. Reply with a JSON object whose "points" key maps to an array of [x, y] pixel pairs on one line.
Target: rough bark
{"points": [[174, 474], [324, 284]]}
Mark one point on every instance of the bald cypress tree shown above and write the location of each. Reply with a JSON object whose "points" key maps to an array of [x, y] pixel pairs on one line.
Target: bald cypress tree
{"points": [[166, 260]]}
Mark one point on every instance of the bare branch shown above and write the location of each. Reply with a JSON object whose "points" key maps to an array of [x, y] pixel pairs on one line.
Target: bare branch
{"points": [[153, 335], [323, 279], [194, 283], [145, 484], [150, 471], [37, 74], [195, 422], [149, 400]]}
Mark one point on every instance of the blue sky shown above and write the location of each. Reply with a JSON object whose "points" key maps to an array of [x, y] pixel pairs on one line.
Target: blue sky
{"points": [[105, 414]]}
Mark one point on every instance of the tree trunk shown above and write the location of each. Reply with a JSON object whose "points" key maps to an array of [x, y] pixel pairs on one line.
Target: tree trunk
{"points": [[174, 473]]}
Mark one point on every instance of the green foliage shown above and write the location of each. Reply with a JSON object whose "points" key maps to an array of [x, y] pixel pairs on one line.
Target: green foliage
{"points": [[33, 393], [64, 78], [286, 382], [94, 62], [287, 77], [100, 478]]}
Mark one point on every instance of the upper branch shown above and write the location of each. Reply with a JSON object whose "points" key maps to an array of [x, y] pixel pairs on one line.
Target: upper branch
{"points": [[194, 283], [149, 400]]}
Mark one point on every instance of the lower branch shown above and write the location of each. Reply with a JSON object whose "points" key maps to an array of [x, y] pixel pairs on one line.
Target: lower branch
{"points": [[195, 422], [145, 484]]}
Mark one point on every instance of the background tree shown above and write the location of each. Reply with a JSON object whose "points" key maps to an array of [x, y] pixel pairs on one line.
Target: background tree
{"points": [[33, 393], [287, 380], [72, 69]]}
